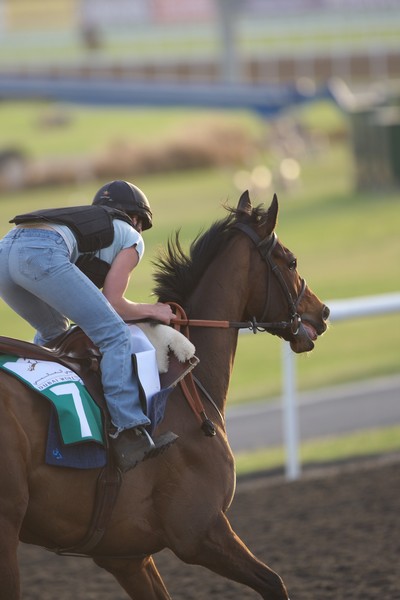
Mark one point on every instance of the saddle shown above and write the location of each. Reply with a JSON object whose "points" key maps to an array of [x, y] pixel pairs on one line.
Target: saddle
{"points": [[77, 352]]}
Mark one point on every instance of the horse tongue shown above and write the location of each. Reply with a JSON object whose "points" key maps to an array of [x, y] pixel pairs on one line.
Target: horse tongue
{"points": [[312, 334]]}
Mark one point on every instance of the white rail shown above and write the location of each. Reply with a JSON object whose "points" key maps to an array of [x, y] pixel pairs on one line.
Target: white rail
{"points": [[341, 310]]}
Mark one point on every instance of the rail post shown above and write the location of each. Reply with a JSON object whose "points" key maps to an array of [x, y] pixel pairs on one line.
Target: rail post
{"points": [[290, 413]]}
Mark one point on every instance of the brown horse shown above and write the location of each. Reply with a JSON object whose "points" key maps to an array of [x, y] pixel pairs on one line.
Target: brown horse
{"points": [[237, 271]]}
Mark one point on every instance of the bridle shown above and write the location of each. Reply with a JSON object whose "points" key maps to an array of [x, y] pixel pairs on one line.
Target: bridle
{"points": [[265, 247]]}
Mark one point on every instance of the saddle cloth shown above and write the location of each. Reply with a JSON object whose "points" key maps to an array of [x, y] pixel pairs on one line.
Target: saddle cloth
{"points": [[78, 415], [76, 420], [76, 428]]}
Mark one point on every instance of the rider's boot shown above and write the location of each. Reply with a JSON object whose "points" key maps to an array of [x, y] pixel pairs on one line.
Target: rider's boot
{"points": [[132, 446]]}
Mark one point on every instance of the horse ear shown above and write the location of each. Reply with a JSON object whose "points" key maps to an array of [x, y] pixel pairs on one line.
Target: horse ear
{"points": [[244, 205], [272, 215]]}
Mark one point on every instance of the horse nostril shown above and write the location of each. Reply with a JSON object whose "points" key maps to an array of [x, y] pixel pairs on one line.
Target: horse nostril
{"points": [[325, 313]]}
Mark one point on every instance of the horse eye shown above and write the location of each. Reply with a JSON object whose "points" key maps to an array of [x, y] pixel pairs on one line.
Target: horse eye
{"points": [[293, 265]]}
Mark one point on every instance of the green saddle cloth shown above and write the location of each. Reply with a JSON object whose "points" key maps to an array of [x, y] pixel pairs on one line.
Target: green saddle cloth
{"points": [[79, 416]]}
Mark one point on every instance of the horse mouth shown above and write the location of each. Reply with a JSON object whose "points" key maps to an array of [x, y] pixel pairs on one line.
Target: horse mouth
{"points": [[305, 338], [310, 331]]}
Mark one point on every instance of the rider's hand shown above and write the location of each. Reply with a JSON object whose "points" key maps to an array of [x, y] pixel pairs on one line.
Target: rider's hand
{"points": [[163, 313]]}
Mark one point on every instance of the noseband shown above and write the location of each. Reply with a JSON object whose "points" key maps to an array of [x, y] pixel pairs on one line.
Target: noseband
{"points": [[265, 247]]}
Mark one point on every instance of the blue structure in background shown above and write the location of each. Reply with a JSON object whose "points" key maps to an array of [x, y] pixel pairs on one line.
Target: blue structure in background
{"points": [[266, 100]]}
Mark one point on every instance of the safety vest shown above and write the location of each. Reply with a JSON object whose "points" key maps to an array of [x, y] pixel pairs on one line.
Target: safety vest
{"points": [[92, 227]]}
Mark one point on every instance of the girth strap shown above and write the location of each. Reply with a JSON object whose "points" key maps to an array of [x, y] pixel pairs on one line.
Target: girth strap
{"points": [[107, 489]]}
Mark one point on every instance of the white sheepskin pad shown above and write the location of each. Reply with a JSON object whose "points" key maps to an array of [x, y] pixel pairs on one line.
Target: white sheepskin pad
{"points": [[165, 339]]}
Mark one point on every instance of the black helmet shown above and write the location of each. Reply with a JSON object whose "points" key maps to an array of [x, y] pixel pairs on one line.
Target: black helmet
{"points": [[126, 197]]}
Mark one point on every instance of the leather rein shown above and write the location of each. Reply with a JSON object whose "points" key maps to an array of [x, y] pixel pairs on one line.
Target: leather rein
{"points": [[265, 247], [189, 384]]}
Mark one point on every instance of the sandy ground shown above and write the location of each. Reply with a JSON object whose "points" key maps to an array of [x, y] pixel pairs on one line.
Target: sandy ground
{"points": [[333, 535]]}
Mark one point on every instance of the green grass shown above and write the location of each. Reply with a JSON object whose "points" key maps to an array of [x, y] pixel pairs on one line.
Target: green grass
{"points": [[357, 445], [87, 131], [347, 243]]}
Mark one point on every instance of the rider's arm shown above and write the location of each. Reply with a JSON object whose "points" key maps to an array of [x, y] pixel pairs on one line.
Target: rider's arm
{"points": [[115, 286]]}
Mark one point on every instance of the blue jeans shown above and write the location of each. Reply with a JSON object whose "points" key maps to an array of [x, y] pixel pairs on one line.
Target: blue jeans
{"points": [[41, 284]]}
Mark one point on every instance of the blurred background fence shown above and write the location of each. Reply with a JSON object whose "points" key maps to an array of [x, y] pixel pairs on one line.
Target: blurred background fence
{"points": [[249, 41]]}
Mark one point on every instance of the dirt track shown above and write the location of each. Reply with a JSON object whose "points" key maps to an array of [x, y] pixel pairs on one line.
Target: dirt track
{"points": [[331, 536]]}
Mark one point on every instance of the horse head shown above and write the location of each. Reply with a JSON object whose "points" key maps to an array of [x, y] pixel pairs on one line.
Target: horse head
{"points": [[282, 298]]}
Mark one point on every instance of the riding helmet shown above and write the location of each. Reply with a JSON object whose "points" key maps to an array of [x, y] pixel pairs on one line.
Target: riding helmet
{"points": [[126, 197]]}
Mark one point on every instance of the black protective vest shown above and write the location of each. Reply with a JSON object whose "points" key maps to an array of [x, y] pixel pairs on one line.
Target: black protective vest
{"points": [[93, 228]]}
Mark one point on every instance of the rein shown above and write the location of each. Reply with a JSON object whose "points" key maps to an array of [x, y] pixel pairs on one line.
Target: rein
{"points": [[189, 384], [252, 325], [265, 248]]}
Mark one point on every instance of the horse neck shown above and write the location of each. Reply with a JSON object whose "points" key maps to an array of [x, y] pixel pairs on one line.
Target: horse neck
{"points": [[220, 295]]}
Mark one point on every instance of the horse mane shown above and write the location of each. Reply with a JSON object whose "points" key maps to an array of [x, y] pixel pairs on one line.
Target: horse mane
{"points": [[177, 273]]}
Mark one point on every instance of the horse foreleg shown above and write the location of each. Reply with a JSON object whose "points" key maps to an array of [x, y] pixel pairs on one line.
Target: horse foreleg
{"points": [[138, 577], [222, 551]]}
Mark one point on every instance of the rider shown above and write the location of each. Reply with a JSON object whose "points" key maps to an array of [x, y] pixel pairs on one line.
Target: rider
{"points": [[52, 265]]}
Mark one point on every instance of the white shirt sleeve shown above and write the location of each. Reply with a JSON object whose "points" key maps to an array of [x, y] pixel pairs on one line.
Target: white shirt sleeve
{"points": [[125, 236]]}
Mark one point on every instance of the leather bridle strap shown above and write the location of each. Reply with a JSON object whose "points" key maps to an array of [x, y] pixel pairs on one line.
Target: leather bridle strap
{"points": [[265, 247]]}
